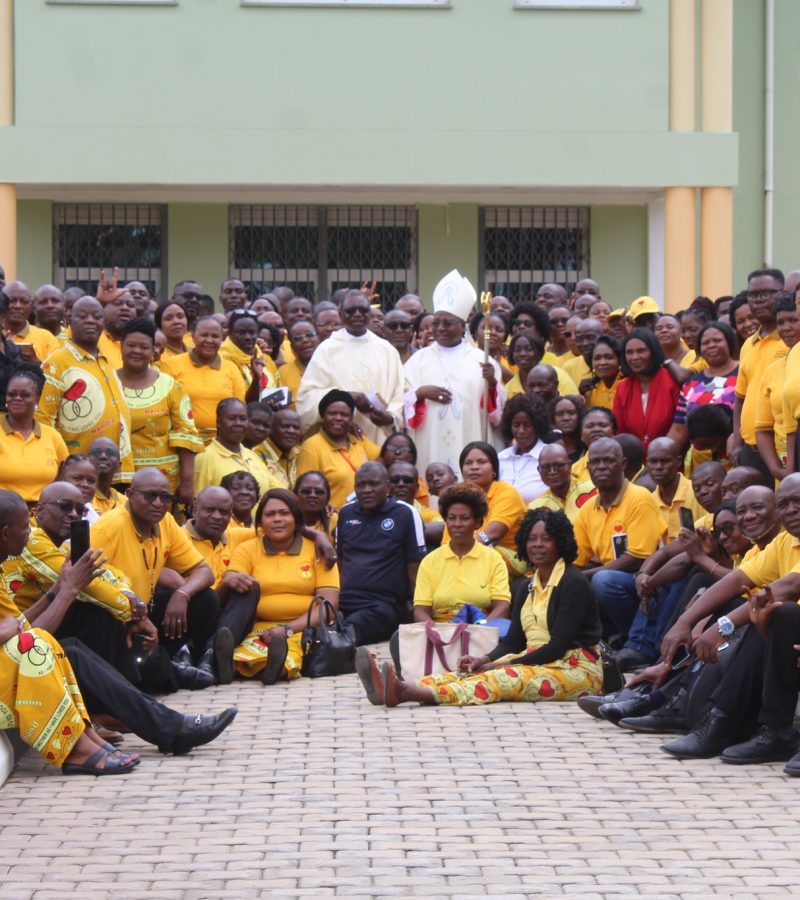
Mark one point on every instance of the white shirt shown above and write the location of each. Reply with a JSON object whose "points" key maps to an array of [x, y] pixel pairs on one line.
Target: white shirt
{"points": [[521, 470]]}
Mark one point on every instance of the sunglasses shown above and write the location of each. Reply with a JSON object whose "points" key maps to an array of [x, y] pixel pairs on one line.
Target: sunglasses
{"points": [[243, 312], [191, 295], [725, 530], [110, 452], [398, 326], [151, 496], [559, 321], [569, 334], [312, 492], [402, 479], [66, 506]]}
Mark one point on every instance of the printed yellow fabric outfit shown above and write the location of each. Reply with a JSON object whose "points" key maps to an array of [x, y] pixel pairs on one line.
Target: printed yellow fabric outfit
{"points": [[565, 384], [39, 694], [82, 399], [578, 493], [757, 353], [244, 363], [633, 513], [28, 465], [43, 341], [288, 580], [36, 570], [162, 422], [445, 582], [684, 496], [770, 406], [577, 673], [143, 558], [206, 385], [218, 556], [216, 461], [338, 464], [282, 466]]}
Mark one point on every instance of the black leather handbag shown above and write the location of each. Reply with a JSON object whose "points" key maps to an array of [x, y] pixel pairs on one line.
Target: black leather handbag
{"points": [[328, 648]]}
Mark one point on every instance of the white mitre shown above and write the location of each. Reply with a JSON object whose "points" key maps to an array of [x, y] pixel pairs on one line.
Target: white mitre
{"points": [[454, 294]]}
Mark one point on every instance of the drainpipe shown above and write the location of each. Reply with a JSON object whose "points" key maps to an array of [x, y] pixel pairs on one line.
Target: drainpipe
{"points": [[769, 131]]}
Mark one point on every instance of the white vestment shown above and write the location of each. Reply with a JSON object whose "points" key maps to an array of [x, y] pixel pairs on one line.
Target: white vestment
{"points": [[366, 364], [447, 427]]}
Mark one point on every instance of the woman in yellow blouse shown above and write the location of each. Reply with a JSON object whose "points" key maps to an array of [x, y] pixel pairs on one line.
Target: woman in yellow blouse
{"points": [[314, 495], [30, 453], [206, 376], [304, 341], [170, 317], [241, 348], [601, 388], [163, 433], [550, 652], [333, 450], [289, 575]]}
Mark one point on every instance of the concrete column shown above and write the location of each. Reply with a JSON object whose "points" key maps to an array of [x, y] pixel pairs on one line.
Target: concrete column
{"points": [[682, 65], [716, 241], [8, 192], [8, 230], [680, 267]]}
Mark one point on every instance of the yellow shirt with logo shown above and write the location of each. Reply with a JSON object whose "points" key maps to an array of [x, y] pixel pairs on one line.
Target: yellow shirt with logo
{"points": [[634, 513], [578, 493], [338, 464], [684, 497], [216, 461], [218, 556], [445, 582]]}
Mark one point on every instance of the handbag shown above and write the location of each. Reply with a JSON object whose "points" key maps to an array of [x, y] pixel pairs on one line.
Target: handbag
{"points": [[430, 648], [328, 648]]}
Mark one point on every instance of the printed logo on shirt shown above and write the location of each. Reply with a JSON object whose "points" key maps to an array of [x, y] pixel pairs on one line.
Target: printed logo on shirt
{"points": [[387, 524], [304, 571], [353, 522]]}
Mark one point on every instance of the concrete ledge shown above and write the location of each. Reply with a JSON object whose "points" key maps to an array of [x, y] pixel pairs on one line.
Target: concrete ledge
{"points": [[6, 758]]}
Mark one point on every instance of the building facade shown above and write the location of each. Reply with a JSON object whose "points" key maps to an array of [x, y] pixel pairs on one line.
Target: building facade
{"points": [[318, 144]]}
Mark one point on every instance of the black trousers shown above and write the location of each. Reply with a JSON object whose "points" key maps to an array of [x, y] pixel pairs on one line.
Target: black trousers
{"points": [[239, 614], [749, 456], [201, 620], [739, 691], [781, 675], [104, 690], [372, 623], [95, 627]]}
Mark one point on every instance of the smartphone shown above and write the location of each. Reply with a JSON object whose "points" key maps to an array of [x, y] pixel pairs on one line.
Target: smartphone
{"points": [[78, 540], [681, 659], [619, 543], [686, 517]]}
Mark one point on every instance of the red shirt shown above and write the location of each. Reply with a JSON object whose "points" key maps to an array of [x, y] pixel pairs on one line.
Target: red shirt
{"points": [[661, 402]]}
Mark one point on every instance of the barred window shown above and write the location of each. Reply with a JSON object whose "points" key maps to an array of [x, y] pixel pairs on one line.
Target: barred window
{"points": [[316, 250], [524, 247], [88, 237]]}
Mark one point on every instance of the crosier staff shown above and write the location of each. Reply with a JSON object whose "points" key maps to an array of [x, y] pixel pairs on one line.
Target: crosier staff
{"points": [[486, 309]]}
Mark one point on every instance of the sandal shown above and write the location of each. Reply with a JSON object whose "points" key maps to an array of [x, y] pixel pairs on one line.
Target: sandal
{"points": [[390, 685], [122, 756], [370, 675], [89, 767]]}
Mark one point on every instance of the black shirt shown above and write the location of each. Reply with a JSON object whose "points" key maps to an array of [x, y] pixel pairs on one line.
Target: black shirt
{"points": [[374, 551]]}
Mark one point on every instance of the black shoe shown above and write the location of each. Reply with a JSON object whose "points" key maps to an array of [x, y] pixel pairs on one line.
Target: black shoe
{"points": [[192, 678], [664, 720], [793, 766], [223, 655], [198, 730], [629, 659], [710, 738], [278, 651], [591, 703], [206, 664], [184, 656], [626, 709], [769, 745]]}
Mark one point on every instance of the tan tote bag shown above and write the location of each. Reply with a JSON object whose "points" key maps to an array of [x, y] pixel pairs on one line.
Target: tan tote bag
{"points": [[430, 648]]}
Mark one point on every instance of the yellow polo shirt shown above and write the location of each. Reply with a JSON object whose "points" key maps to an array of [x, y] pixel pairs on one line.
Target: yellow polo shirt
{"points": [[602, 395], [791, 390], [446, 582], [142, 558], [633, 513], [218, 557], [684, 496], [338, 464], [36, 570], [44, 342], [578, 493], [580, 468], [577, 369], [769, 406], [757, 353], [780, 557], [102, 505], [291, 373], [216, 461], [287, 579], [82, 398], [28, 465], [206, 385], [111, 348]]}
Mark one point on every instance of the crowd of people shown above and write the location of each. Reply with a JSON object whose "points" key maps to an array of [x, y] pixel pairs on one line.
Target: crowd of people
{"points": [[615, 482]]}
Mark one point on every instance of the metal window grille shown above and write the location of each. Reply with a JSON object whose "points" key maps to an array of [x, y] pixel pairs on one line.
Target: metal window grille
{"points": [[88, 237], [315, 250], [524, 247]]}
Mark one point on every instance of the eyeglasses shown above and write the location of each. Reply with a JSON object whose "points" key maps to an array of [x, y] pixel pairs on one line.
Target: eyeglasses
{"points": [[398, 326], [552, 467], [312, 492], [569, 334], [402, 479], [151, 496], [763, 294], [66, 506], [559, 321], [726, 529], [110, 452]]}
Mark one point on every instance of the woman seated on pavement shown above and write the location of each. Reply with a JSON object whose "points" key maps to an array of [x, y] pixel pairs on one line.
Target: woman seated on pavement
{"points": [[314, 494], [244, 491], [550, 651], [288, 575]]}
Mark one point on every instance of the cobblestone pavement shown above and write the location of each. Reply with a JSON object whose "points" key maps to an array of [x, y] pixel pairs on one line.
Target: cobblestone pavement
{"points": [[314, 792]]}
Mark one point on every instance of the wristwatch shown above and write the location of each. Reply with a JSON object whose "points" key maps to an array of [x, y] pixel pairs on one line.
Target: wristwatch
{"points": [[725, 626], [289, 631]]}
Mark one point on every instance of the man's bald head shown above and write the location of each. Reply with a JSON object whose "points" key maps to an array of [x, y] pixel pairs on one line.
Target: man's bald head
{"points": [[212, 494], [606, 445], [663, 445], [738, 479], [150, 480], [60, 490]]}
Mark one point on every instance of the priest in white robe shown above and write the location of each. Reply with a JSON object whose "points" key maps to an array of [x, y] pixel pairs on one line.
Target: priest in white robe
{"points": [[354, 359], [446, 381]]}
